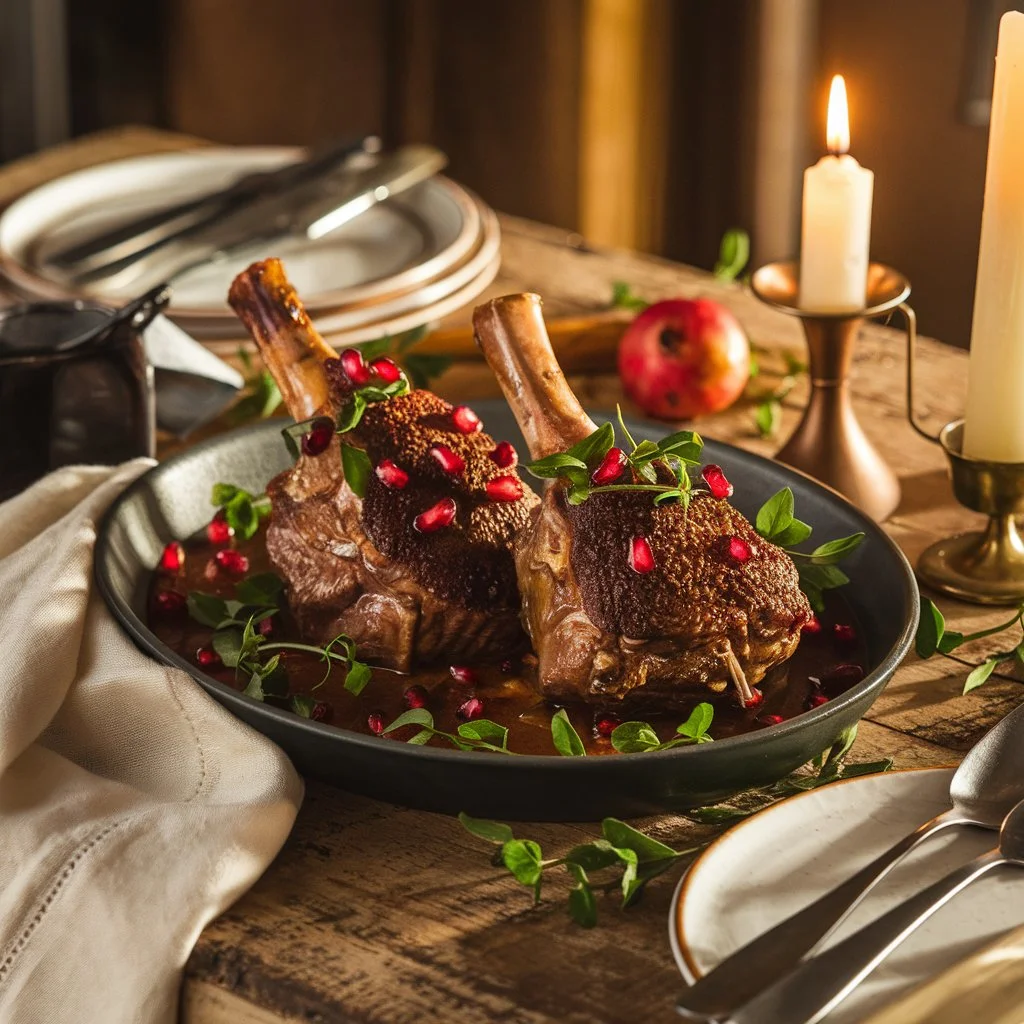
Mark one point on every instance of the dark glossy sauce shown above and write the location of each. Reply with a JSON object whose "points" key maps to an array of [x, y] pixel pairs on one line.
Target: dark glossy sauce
{"points": [[509, 697]]}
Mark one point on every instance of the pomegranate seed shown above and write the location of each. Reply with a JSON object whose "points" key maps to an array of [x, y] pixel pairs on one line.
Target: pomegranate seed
{"points": [[375, 722], [451, 462], [505, 488], [504, 455], [265, 626], [355, 367], [391, 475], [208, 658], [386, 369], [415, 697], [232, 561], [319, 436], [756, 698], [811, 627], [472, 708], [508, 666], [843, 634], [844, 674], [816, 700], [772, 719], [605, 725], [466, 421], [170, 601], [641, 559], [436, 517], [739, 550], [463, 674], [173, 557], [611, 467], [322, 712], [217, 530], [716, 481]]}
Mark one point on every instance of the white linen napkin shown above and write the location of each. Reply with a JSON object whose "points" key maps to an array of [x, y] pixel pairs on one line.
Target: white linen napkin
{"points": [[133, 808]]}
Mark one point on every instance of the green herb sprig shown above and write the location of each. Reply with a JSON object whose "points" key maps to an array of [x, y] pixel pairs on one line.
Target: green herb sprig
{"points": [[933, 638], [479, 734], [242, 647], [259, 397], [243, 511], [627, 859], [637, 737], [675, 454], [624, 859], [776, 522]]}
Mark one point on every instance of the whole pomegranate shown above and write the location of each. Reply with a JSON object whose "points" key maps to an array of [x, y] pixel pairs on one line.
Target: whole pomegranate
{"points": [[682, 358]]}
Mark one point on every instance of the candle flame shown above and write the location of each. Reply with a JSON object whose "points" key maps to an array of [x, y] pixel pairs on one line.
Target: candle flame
{"points": [[838, 132]]}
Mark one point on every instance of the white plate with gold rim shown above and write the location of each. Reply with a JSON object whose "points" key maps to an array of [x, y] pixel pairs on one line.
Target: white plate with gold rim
{"points": [[776, 862]]}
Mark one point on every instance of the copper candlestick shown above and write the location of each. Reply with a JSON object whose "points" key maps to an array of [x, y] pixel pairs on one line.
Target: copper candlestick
{"points": [[829, 443]]}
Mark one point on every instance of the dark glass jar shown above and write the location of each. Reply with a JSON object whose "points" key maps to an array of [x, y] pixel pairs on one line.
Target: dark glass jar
{"points": [[69, 395]]}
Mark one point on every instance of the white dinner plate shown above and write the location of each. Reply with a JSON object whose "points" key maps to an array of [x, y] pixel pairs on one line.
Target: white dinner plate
{"points": [[775, 863], [397, 247]]}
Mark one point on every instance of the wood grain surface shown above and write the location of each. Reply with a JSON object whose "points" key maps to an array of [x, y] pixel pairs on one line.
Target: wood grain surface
{"points": [[374, 913]]}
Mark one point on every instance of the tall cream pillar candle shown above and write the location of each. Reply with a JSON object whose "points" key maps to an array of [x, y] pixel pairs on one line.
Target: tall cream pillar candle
{"points": [[836, 226], [994, 421]]}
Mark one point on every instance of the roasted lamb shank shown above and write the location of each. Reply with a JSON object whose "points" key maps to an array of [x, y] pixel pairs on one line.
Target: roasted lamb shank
{"points": [[630, 605], [421, 566]]}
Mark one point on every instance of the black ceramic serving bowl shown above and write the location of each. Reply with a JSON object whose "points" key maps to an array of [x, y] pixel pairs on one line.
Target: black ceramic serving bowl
{"points": [[173, 501]]}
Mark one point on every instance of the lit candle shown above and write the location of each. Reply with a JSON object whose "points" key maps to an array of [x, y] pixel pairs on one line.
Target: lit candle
{"points": [[836, 225], [994, 421]]}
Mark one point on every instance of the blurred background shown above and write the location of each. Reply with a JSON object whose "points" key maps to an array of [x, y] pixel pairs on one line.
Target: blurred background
{"points": [[648, 124]]}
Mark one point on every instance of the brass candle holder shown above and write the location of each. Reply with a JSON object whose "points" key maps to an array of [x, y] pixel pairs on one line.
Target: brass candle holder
{"points": [[987, 566], [829, 443]]}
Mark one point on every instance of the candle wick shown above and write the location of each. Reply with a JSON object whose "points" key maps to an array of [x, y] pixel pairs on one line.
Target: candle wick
{"points": [[838, 150]]}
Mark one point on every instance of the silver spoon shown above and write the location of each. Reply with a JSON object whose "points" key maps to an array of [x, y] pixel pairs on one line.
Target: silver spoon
{"points": [[989, 781], [819, 984]]}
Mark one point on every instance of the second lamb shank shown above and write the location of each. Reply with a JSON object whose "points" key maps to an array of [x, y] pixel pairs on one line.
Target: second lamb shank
{"points": [[628, 604]]}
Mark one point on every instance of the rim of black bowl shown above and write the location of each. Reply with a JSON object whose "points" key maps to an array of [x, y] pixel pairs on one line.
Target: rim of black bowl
{"points": [[150, 643]]}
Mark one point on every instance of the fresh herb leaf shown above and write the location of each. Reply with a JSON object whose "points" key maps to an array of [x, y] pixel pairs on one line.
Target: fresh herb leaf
{"points": [[623, 836], [416, 716], [981, 673], [553, 466], [352, 413], [523, 858], [931, 627], [697, 725], [355, 464], [768, 417], [733, 255], [775, 515], [486, 731], [259, 397], [624, 298], [207, 609], [634, 737], [228, 644], [357, 677], [422, 369], [302, 705], [492, 831], [582, 905], [242, 510], [594, 856], [263, 590], [566, 739]]}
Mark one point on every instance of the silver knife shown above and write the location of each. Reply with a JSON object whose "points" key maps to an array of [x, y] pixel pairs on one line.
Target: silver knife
{"points": [[159, 227], [312, 211]]}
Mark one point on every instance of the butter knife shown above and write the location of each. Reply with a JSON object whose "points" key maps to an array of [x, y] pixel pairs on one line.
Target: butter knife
{"points": [[311, 211], [157, 228]]}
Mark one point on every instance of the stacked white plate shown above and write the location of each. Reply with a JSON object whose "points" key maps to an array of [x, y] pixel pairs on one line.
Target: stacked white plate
{"points": [[406, 262]]}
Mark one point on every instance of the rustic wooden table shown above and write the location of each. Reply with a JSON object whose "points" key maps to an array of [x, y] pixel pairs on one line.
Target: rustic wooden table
{"points": [[375, 913]]}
